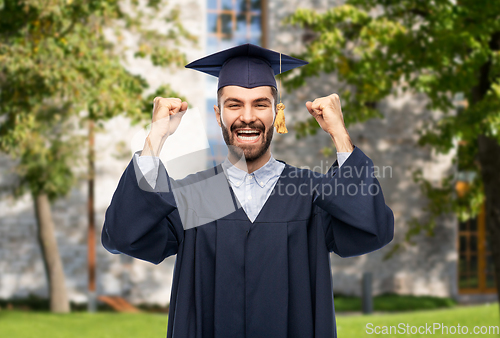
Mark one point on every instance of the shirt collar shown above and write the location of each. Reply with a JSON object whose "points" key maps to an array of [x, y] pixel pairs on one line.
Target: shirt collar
{"points": [[262, 175]]}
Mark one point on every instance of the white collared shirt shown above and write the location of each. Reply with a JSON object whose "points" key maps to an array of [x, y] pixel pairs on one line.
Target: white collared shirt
{"points": [[253, 190]]}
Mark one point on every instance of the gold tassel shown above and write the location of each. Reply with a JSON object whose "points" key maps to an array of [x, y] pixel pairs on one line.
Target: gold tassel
{"points": [[279, 122]]}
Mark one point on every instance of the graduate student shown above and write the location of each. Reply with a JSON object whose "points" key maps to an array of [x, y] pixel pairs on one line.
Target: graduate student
{"points": [[262, 270]]}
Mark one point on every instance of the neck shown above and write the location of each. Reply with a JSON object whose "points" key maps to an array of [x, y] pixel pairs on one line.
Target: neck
{"points": [[250, 166]]}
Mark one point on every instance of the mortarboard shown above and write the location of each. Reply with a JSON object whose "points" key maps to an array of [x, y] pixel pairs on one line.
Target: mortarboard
{"points": [[249, 66]]}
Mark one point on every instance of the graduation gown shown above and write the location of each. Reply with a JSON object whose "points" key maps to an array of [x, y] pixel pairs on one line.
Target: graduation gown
{"points": [[269, 278]]}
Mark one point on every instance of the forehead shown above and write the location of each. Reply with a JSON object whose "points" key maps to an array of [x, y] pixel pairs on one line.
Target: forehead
{"points": [[246, 94]]}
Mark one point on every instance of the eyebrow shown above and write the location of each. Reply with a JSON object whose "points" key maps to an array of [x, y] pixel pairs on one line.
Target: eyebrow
{"points": [[260, 99], [233, 100]]}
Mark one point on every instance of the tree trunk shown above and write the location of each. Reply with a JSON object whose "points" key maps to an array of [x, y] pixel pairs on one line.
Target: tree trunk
{"points": [[489, 159], [53, 264]]}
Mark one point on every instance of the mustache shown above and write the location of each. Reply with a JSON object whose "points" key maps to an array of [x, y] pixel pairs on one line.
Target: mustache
{"points": [[253, 125]]}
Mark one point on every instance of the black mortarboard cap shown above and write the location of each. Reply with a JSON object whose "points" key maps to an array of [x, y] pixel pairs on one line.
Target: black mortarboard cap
{"points": [[246, 66]]}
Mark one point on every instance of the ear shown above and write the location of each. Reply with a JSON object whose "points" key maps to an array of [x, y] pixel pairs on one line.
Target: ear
{"points": [[217, 115]]}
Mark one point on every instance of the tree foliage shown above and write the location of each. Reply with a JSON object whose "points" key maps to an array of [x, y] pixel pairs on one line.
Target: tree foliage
{"points": [[62, 63]]}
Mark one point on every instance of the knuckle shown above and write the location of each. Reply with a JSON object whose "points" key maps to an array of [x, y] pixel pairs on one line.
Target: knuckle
{"points": [[175, 102]]}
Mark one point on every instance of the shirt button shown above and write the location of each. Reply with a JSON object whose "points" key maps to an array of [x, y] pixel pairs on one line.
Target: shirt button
{"points": [[249, 178], [249, 197], [261, 183]]}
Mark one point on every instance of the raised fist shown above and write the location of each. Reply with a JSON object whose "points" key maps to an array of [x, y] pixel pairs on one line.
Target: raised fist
{"points": [[167, 114], [328, 113]]}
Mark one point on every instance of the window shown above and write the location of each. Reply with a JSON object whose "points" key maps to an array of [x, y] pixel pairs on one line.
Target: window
{"points": [[475, 262], [233, 22], [229, 23]]}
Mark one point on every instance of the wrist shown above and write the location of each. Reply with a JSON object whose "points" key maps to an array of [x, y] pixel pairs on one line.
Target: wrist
{"points": [[153, 145], [342, 141]]}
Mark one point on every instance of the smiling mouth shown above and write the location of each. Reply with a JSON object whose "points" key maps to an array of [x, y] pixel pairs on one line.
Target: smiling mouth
{"points": [[248, 135]]}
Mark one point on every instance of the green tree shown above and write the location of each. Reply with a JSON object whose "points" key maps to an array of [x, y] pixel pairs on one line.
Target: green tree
{"points": [[441, 48], [61, 66]]}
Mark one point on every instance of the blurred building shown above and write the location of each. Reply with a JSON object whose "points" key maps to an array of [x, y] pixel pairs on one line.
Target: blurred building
{"points": [[455, 262]]}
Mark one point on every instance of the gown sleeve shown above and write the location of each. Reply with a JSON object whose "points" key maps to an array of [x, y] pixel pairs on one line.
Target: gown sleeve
{"points": [[352, 208], [142, 221]]}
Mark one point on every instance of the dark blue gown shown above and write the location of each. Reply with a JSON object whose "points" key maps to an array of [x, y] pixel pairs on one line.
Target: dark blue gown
{"points": [[270, 278]]}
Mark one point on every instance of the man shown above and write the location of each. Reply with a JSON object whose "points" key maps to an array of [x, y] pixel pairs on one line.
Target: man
{"points": [[264, 269]]}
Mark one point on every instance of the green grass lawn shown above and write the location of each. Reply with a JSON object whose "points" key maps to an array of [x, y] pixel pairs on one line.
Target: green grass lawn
{"points": [[392, 302], [16, 324], [469, 316]]}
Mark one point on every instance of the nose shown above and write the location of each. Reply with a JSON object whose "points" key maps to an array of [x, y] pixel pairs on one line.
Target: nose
{"points": [[248, 115]]}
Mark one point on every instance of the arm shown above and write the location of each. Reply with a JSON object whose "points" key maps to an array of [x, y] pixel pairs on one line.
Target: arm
{"points": [[355, 217], [142, 220], [353, 212]]}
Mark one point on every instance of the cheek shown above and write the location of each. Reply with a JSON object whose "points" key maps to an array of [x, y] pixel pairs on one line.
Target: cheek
{"points": [[268, 118], [228, 117]]}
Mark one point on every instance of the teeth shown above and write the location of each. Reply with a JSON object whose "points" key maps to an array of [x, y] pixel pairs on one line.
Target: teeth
{"points": [[248, 131], [247, 138]]}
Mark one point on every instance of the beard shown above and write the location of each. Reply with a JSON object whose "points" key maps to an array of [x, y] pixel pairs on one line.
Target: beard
{"points": [[251, 152]]}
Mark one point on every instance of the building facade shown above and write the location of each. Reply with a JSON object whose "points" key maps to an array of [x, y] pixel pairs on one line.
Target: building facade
{"points": [[431, 267]]}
